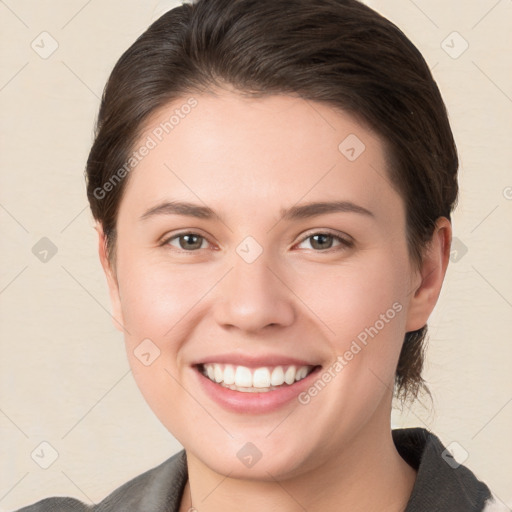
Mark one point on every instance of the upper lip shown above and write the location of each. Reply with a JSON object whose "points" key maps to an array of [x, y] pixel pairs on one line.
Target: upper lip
{"points": [[252, 361]]}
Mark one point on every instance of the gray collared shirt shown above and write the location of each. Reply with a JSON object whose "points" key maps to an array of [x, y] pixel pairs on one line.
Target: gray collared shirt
{"points": [[441, 483]]}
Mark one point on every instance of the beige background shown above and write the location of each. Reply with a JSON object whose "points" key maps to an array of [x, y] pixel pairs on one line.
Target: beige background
{"points": [[64, 375]]}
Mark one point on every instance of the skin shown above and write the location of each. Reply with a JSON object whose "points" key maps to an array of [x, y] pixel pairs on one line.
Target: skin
{"points": [[246, 159]]}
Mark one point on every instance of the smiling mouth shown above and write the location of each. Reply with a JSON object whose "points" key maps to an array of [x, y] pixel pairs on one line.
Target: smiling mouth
{"points": [[254, 380]]}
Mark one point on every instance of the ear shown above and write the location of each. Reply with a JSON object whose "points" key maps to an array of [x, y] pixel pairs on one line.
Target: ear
{"points": [[113, 287], [430, 277]]}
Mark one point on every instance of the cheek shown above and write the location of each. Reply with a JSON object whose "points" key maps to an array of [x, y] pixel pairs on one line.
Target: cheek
{"points": [[156, 298], [362, 308], [351, 298], [155, 301], [156, 304]]}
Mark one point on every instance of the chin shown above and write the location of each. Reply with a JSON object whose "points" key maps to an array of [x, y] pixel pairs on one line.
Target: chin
{"points": [[259, 459]]}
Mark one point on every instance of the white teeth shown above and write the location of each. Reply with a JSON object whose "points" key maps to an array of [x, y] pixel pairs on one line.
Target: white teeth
{"points": [[277, 376], [243, 376], [301, 373], [265, 378], [289, 376], [261, 378], [229, 374], [218, 374]]}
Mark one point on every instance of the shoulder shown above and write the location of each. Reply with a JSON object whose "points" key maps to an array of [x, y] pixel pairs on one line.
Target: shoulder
{"points": [[57, 505], [442, 482], [158, 489]]}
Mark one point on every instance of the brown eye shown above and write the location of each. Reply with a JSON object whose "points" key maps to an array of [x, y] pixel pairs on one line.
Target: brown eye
{"points": [[324, 241], [187, 241], [321, 241]]}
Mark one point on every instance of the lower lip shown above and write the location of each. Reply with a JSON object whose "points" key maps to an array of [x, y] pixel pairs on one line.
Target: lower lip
{"points": [[254, 403]]}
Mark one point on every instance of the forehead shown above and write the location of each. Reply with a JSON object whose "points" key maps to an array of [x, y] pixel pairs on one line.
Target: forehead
{"points": [[254, 154]]}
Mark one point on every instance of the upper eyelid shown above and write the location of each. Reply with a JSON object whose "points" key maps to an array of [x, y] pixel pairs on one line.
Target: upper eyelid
{"points": [[339, 234], [195, 231]]}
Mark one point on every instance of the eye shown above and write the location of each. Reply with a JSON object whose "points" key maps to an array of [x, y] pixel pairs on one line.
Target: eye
{"points": [[323, 241], [188, 242], [320, 241]]}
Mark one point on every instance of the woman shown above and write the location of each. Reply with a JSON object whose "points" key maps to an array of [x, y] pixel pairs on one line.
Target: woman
{"points": [[272, 184]]}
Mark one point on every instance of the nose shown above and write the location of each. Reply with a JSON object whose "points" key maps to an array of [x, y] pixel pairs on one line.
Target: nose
{"points": [[253, 296]]}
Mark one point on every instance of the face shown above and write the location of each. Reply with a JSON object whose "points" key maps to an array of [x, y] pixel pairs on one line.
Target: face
{"points": [[288, 262]]}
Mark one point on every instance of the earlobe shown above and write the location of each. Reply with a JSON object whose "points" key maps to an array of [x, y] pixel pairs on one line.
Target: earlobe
{"points": [[425, 294], [113, 287]]}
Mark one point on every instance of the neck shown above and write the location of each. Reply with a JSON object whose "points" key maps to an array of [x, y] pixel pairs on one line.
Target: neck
{"points": [[366, 475]]}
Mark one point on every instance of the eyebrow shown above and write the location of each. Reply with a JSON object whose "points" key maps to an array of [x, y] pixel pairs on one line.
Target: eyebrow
{"points": [[293, 213]]}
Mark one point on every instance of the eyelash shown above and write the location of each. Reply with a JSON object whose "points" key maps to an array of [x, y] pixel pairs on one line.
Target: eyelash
{"points": [[345, 243]]}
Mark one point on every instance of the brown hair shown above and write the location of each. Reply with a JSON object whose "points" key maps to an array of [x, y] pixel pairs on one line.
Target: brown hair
{"points": [[339, 52]]}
